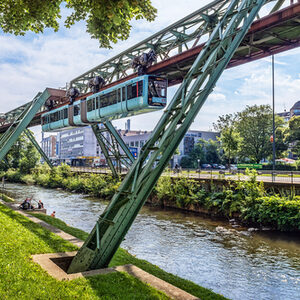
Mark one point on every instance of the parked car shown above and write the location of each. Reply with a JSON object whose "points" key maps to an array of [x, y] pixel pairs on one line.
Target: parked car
{"points": [[222, 167], [215, 166], [206, 166]]}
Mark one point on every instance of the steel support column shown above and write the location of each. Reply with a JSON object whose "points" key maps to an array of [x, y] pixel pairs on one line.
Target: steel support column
{"points": [[37, 146], [111, 144], [21, 123], [118, 216]]}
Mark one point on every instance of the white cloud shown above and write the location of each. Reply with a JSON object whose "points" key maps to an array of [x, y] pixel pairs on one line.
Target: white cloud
{"points": [[31, 63]]}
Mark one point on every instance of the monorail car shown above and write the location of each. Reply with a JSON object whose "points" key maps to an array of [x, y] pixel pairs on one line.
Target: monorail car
{"points": [[136, 96]]}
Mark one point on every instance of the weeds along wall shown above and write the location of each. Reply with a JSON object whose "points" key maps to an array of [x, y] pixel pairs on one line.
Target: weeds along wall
{"points": [[245, 200]]}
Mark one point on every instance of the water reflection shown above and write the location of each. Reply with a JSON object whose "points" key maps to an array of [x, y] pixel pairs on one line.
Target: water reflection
{"points": [[235, 263]]}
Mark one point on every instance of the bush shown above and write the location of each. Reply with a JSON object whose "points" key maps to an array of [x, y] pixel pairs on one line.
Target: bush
{"points": [[277, 212], [28, 179], [13, 175]]}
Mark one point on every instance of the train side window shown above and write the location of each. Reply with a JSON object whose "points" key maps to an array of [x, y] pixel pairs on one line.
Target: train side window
{"points": [[65, 113], [140, 88], [89, 105], [93, 103], [113, 97], [103, 100], [76, 110], [123, 93], [131, 91]]}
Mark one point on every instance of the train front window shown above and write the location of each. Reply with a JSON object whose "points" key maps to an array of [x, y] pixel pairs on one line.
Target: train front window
{"points": [[157, 87]]}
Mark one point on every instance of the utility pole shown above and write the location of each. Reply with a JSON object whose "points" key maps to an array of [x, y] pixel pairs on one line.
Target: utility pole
{"points": [[273, 100]]}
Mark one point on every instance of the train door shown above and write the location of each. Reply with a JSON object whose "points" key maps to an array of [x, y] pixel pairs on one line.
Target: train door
{"points": [[71, 115], [83, 111], [124, 98], [132, 101]]}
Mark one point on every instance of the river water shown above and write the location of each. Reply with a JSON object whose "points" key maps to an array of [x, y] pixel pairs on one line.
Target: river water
{"points": [[235, 263]]}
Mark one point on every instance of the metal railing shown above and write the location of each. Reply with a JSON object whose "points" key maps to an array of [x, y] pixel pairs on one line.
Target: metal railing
{"points": [[289, 177]]}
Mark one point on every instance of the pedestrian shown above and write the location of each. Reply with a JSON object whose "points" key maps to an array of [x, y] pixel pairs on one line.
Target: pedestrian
{"points": [[53, 214], [40, 204]]}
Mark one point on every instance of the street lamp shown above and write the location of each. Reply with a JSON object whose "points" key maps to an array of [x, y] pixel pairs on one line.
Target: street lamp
{"points": [[198, 160]]}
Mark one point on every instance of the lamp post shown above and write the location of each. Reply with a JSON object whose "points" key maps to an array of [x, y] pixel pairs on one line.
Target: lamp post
{"points": [[273, 102], [198, 160]]}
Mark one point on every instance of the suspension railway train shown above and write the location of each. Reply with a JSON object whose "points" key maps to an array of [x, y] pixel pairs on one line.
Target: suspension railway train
{"points": [[136, 96]]}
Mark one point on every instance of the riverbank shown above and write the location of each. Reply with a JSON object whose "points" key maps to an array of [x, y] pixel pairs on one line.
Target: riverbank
{"points": [[207, 251], [246, 201], [24, 238]]}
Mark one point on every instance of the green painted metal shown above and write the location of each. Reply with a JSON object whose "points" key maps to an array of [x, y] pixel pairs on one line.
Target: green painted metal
{"points": [[111, 145], [37, 146], [118, 216], [21, 122], [176, 38], [102, 143]]}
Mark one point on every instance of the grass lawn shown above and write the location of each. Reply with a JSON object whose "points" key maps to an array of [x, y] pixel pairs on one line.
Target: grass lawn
{"points": [[20, 278], [122, 257]]}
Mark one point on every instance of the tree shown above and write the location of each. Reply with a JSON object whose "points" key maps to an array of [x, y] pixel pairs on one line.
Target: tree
{"points": [[230, 142], [230, 139], [22, 155], [254, 124], [106, 20], [293, 134], [29, 160]]}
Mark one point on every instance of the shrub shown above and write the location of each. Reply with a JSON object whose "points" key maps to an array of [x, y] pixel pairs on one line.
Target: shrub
{"points": [[13, 175], [28, 179], [275, 211]]}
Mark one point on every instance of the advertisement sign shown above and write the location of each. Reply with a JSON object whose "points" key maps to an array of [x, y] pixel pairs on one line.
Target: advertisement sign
{"points": [[250, 166], [134, 151]]}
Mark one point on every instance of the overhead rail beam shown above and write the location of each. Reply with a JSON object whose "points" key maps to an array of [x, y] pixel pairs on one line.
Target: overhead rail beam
{"points": [[111, 227], [179, 37], [267, 36]]}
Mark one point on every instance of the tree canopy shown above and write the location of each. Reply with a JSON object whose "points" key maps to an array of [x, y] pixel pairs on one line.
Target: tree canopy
{"points": [[106, 20]]}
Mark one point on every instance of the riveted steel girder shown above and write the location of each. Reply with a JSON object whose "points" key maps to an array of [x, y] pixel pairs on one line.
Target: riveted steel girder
{"points": [[181, 36], [198, 83], [38, 148], [21, 122], [113, 147], [269, 35]]}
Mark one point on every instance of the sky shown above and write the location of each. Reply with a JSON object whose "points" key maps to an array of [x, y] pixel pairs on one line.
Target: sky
{"points": [[30, 63]]}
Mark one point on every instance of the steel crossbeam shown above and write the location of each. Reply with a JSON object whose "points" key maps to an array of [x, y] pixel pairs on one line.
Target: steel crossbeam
{"points": [[183, 35], [111, 145], [109, 231], [38, 148]]}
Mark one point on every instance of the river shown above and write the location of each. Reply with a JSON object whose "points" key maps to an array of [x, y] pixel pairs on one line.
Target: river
{"points": [[235, 263]]}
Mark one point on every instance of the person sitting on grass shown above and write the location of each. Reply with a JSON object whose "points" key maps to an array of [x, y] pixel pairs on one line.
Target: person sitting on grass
{"points": [[40, 204], [53, 214], [26, 204]]}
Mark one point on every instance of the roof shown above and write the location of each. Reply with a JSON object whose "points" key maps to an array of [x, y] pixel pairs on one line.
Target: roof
{"points": [[296, 105]]}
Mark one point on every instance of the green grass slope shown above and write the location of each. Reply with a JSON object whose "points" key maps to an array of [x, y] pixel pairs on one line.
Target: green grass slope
{"points": [[20, 278], [122, 257]]}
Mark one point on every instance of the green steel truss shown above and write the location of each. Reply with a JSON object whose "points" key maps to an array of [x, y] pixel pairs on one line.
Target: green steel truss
{"points": [[37, 146], [183, 35], [21, 121], [229, 29], [113, 147]]}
